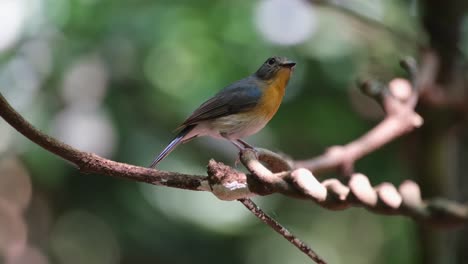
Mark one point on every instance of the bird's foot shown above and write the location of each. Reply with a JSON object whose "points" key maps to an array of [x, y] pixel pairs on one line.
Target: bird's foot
{"points": [[254, 150], [243, 147], [237, 161], [245, 144]]}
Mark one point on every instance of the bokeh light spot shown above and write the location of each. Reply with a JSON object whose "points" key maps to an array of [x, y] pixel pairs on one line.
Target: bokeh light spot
{"points": [[80, 237], [202, 209], [30, 255], [86, 82], [12, 14], [57, 11], [13, 231], [21, 81], [169, 74], [15, 184], [331, 40], [86, 129], [6, 136], [39, 53], [285, 22]]}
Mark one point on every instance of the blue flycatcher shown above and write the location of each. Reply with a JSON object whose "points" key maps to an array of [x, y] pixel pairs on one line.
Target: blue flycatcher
{"points": [[239, 110]]}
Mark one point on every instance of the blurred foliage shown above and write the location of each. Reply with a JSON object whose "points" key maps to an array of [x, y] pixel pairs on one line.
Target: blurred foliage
{"points": [[116, 77]]}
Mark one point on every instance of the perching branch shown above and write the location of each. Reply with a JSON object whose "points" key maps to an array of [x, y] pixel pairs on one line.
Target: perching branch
{"points": [[332, 194], [229, 184], [92, 163], [281, 175]]}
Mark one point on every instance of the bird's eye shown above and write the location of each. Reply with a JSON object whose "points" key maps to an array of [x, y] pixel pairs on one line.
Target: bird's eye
{"points": [[271, 61]]}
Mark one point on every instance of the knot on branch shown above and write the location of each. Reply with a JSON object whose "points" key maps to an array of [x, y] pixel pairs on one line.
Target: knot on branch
{"points": [[275, 162], [383, 198], [227, 183], [306, 183]]}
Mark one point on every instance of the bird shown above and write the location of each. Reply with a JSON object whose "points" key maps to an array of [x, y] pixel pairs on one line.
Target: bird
{"points": [[239, 110]]}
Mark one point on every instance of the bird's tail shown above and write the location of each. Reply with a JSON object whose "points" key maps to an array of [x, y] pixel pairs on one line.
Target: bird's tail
{"points": [[174, 143]]}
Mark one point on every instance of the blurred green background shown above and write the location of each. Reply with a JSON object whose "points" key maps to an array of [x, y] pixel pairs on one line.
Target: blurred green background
{"points": [[117, 77]]}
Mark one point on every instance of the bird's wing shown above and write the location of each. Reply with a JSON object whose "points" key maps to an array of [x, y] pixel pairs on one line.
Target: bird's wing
{"points": [[238, 97]]}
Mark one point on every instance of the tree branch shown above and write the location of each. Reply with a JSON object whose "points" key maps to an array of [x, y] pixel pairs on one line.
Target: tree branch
{"points": [[92, 163], [249, 204], [228, 184], [382, 199], [398, 101]]}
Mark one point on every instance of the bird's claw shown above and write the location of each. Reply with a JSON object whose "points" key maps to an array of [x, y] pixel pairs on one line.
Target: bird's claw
{"points": [[254, 150], [237, 161], [241, 152]]}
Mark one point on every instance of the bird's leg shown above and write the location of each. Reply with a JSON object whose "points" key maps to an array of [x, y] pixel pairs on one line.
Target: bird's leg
{"points": [[239, 145], [248, 146], [242, 146], [245, 144]]}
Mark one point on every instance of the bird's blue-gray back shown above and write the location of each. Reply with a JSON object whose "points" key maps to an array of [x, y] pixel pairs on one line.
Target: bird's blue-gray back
{"points": [[238, 97]]}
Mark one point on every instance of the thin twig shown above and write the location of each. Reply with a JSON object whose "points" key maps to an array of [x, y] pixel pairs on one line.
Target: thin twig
{"points": [[264, 217], [396, 34]]}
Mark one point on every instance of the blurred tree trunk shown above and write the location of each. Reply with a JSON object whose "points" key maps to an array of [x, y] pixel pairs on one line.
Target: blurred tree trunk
{"points": [[440, 147]]}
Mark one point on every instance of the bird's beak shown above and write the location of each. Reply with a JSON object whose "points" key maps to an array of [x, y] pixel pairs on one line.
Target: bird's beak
{"points": [[288, 64]]}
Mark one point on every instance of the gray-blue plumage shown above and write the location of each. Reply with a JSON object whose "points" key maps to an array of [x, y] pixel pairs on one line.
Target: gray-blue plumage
{"points": [[238, 97]]}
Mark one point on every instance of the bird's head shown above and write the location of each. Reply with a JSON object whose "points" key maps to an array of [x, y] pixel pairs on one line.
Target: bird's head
{"points": [[275, 67]]}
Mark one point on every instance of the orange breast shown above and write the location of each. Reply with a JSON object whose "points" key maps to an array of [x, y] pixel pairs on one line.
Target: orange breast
{"points": [[273, 94]]}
